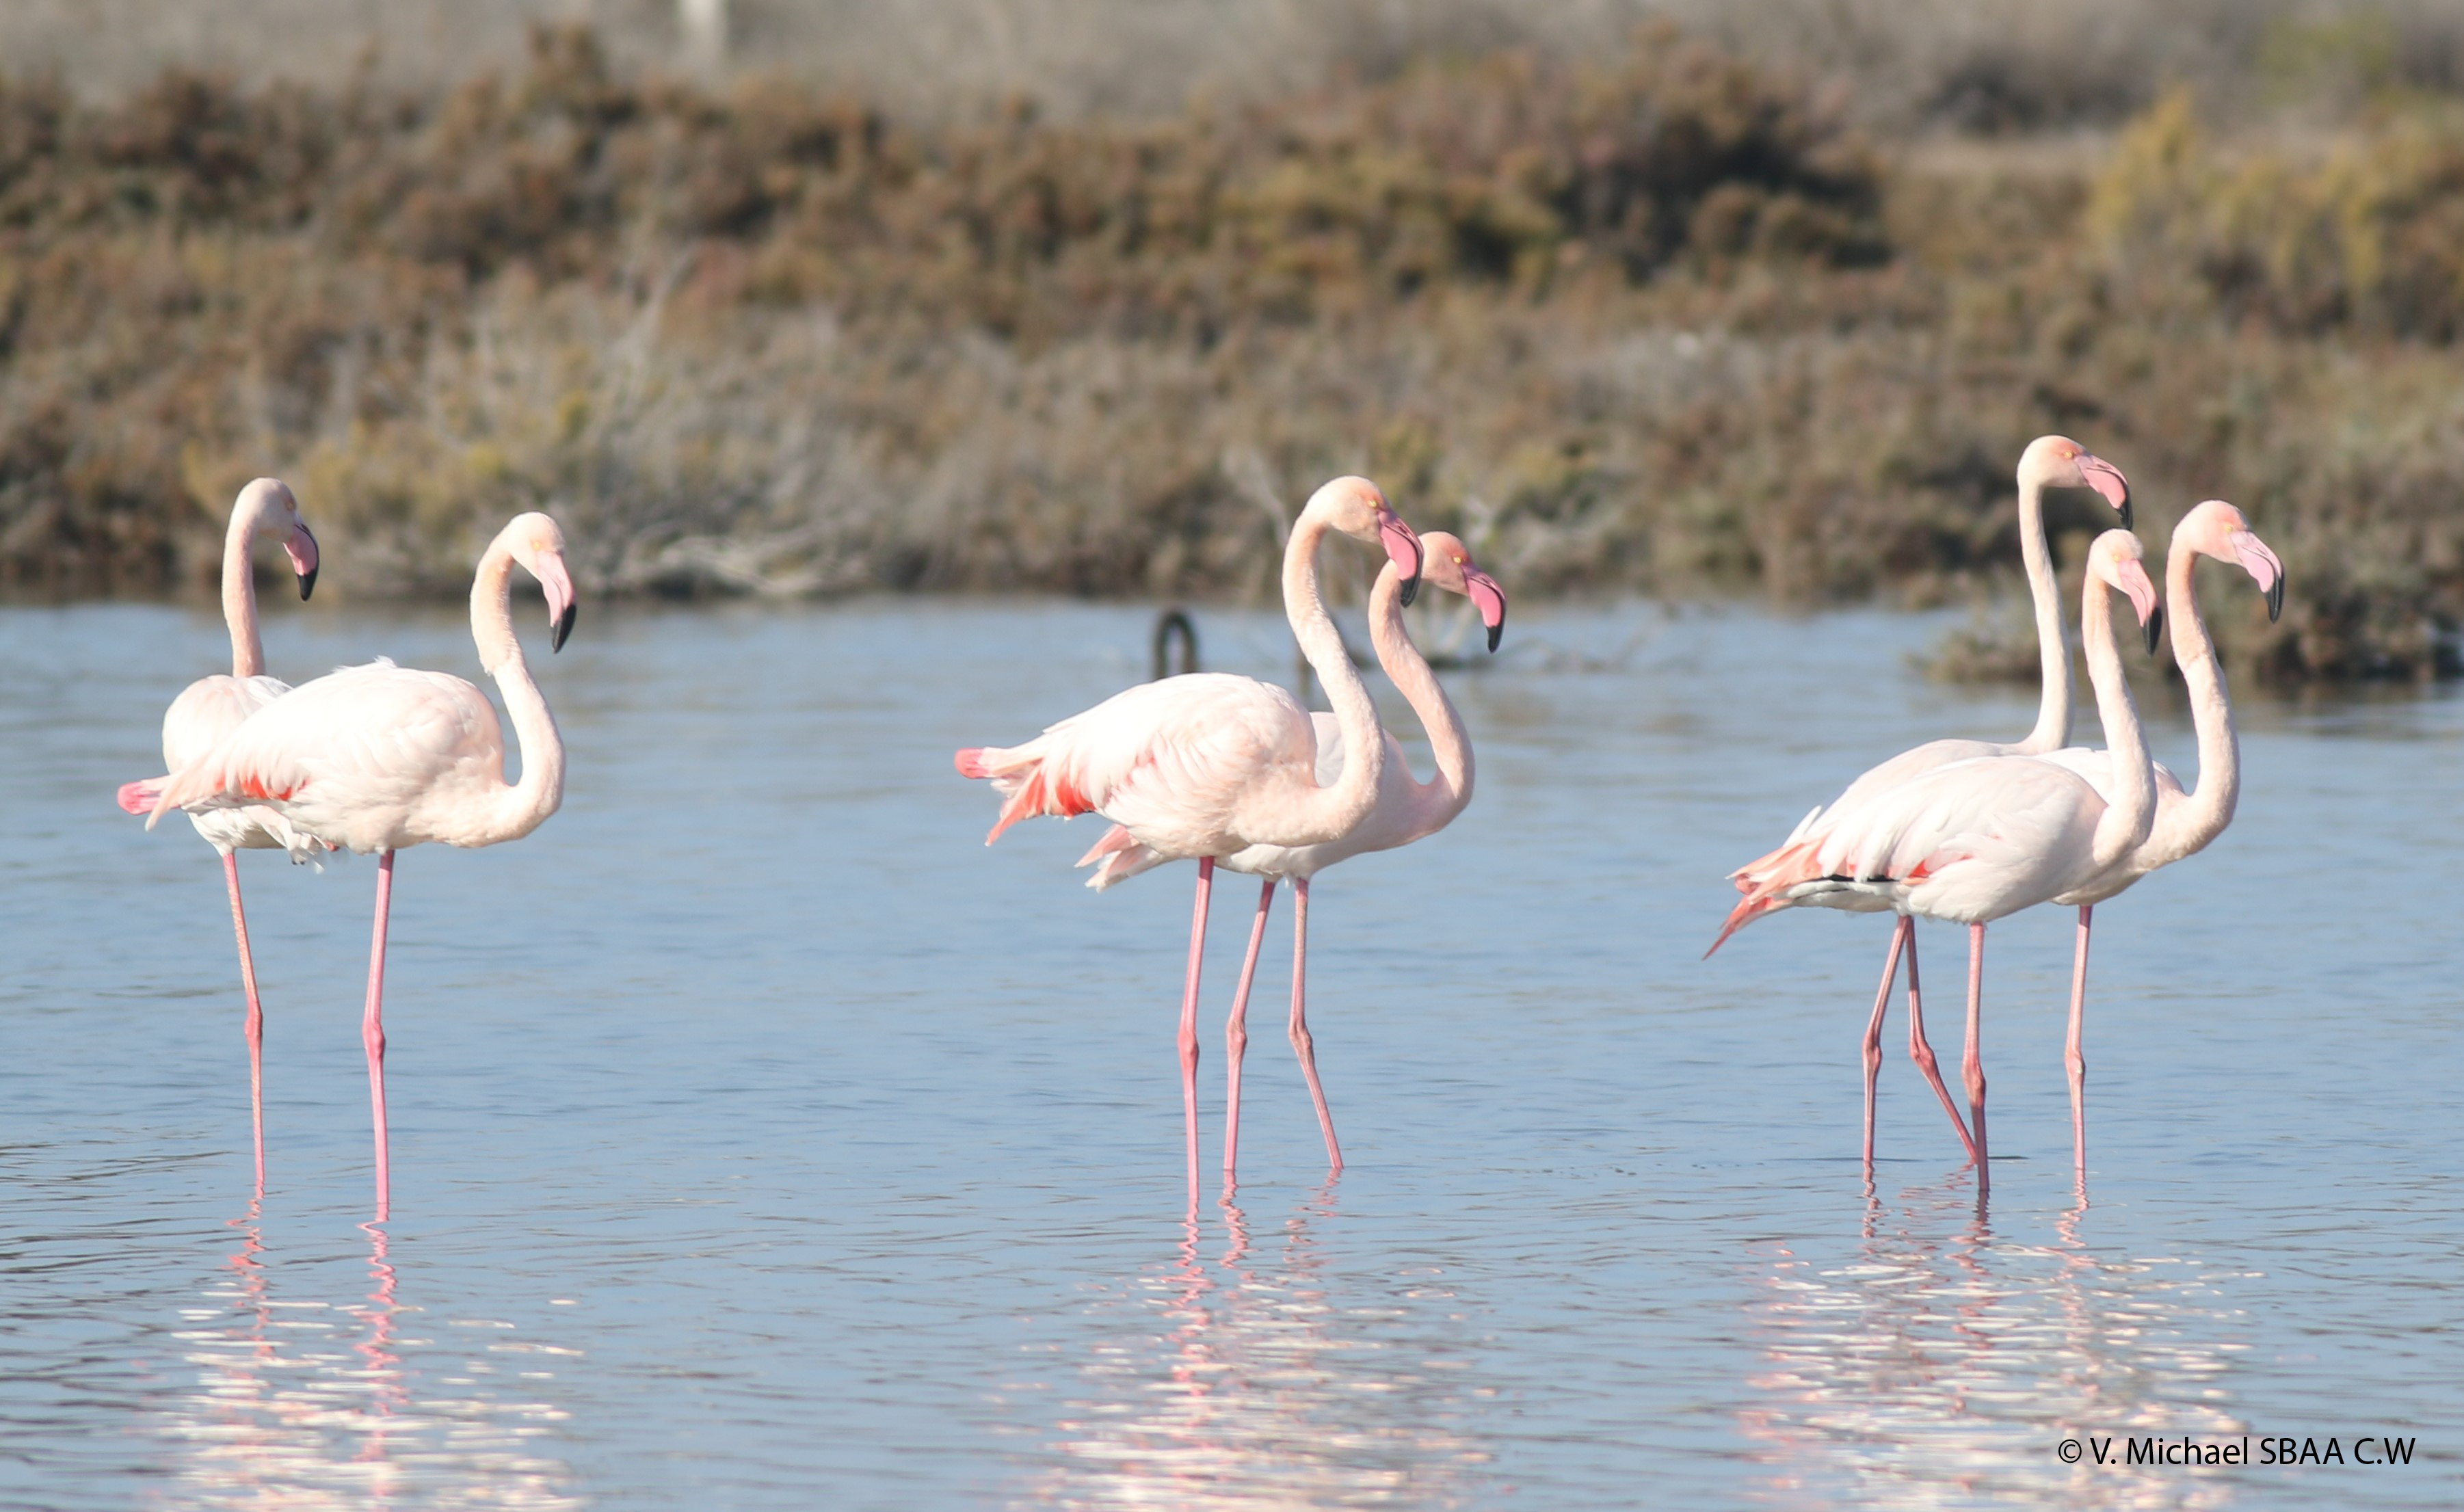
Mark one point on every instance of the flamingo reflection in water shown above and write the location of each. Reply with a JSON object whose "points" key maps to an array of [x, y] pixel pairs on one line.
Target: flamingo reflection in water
{"points": [[1942, 1365], [290, 1409], [1268, 1388]]}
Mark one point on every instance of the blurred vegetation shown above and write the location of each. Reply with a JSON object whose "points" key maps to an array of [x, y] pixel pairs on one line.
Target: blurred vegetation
{"points": [[1657, 318]]}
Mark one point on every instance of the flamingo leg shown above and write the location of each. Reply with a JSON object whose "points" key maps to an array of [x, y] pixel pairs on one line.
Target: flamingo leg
{"points": [[372, 1030], [1874, 1030], [254, 1026], [1972, 1064], [1189, 1022], [1302, 1044], [1236, 1035], [2072, 1054], [1921, 1049]]}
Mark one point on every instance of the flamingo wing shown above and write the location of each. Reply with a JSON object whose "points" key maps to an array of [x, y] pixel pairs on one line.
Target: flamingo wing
{"points": [[1975, 838], [1166, 759], [2009, 813], [351, 758], [1870, 784]]}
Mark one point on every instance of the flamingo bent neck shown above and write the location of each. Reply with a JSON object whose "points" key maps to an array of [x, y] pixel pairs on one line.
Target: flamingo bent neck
{"points": [[518, 807]]}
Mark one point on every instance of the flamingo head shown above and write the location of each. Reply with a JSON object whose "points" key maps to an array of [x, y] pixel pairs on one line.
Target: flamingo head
{"points": [[2218, 530], [2058, 462], [274, 511], [1357, 507], [1450, 568], [537, 543], [2115, 560]]}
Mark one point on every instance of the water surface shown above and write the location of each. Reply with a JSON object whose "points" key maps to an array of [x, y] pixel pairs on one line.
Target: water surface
{"points": [[761, 1140]]}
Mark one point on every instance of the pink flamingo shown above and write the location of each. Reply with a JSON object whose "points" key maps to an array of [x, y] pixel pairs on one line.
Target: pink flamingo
{"points": [[1981, 839], [211, 707], [376, 758], [1208, 764], [1406, 810], [2186, 822], [2048, 462]]}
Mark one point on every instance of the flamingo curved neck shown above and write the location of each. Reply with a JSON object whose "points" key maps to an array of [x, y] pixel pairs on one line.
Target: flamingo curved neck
{"points": [[1436, 802], [239, 595], [1312, 814], [2186, 826], [522, 806], [2131, 811], [2052, 730]]}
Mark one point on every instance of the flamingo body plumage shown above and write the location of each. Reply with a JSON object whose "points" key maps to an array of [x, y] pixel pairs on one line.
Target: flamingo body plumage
{"points": [[1183, 762]]}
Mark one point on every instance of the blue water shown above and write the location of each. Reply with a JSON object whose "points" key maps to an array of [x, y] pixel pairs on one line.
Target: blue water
{"points": [[761, 1140]]}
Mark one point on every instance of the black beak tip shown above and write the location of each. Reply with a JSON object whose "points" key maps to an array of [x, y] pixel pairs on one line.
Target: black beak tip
{"points": [[2123, 509], [1496, 634], [2276, 597], [307, 584], [2155, 628], [1411, 589], [563, 629]]}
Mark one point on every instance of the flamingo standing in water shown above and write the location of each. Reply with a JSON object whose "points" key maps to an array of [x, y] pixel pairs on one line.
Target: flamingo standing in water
{"points": [[2048, 462], [1208, 764], [2186, 822], [211, 707], [376, 758], [1406, 810], [1979, 840]]}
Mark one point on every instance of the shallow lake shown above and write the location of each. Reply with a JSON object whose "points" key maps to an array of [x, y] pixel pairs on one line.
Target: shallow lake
{"points": [[761, 1140]]}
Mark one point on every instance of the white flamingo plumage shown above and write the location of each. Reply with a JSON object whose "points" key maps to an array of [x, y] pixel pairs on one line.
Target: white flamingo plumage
{"points": [[211, 707], [1406, 810], [377, 757], [1981, 838], [1207, 764], [2186, 822], [2048, 462]]}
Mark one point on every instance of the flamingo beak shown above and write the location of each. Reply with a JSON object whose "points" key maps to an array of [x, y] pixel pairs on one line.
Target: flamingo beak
{"points": [[302, 548], [2132, 579], [2108, 480], [1491, 600], [2262, 565], [557, 584], [1402, 549]]}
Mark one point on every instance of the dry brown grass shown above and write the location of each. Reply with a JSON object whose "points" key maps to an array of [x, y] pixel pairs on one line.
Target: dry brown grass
{"points": [[1658, 320]]}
